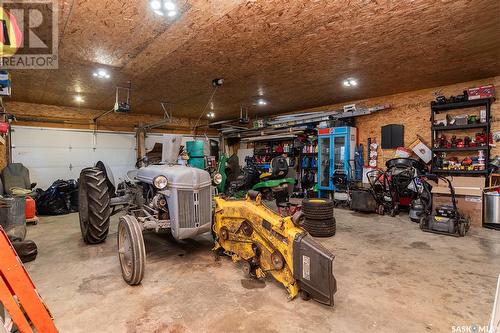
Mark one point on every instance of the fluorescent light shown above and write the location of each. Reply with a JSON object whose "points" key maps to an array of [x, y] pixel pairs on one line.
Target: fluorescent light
{"points": [[169, 5], [78, 99], [261, 102], [172, 13], [159, 12], [155, 4]]}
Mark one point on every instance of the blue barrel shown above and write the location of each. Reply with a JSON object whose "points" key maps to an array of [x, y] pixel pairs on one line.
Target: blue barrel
{"points": [[195, 148], [197, 162]]}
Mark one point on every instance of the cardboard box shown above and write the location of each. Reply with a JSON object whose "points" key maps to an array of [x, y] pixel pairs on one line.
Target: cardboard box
{"points": [[469, 196], [421, 150], [487, 91]]}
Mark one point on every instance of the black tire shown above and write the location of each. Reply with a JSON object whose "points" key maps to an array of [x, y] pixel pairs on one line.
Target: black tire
{"points": [[131, 250], [321, 228], [462, 228], [93, 205], [422, 222], [318, 215], [318, 209], [304, 295], [317, 203]]}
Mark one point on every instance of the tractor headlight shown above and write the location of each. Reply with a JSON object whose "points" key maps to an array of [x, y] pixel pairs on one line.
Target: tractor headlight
{"points": [[217, 179], [160, 182]]}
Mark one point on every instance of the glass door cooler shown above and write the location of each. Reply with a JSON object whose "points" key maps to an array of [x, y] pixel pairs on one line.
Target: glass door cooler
{"points": [[335, 155]]}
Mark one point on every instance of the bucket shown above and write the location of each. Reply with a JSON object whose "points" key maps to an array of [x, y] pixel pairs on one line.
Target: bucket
{"points": [[492, 208], [12, 216], [195, 148]]}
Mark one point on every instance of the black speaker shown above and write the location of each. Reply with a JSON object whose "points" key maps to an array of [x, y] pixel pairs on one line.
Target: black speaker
{"points": [[392, 136]]}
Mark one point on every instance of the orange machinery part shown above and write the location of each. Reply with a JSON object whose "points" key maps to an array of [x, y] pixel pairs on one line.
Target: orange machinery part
{"points": [[19, 295]]}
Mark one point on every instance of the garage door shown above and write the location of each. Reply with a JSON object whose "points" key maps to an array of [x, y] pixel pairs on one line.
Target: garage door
{"points": [[52, 154]]}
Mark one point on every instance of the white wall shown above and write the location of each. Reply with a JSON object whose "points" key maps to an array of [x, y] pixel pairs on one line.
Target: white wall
{"points": [[52, 154]]}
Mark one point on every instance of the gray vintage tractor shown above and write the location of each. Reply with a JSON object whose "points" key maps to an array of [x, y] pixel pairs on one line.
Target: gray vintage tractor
{"points": [[166, 196]]}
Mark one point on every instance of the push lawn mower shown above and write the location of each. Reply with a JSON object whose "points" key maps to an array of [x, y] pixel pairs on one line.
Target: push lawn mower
{"points": [[395, 188], [446, 219]]}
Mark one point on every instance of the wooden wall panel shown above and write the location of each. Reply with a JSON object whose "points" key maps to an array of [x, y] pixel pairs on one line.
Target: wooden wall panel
{"points": [[412, 109]]}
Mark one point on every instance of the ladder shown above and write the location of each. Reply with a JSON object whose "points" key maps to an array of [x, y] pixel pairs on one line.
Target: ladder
{"points": [[18, 295]]}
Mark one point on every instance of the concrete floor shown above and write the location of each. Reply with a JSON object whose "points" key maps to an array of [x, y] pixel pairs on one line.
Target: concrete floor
{"points": [[391, 278]]}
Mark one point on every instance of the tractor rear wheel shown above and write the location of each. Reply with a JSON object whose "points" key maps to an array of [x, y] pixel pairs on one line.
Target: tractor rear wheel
{"points": [[94, 208], [131, 250]]}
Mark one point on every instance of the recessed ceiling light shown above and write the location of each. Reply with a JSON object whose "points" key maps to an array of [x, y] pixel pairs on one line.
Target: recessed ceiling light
{"points": [[164, 7], [101, 74], [261, 102], [169, 5], [350, 82], [155, 4], [78, 99]]}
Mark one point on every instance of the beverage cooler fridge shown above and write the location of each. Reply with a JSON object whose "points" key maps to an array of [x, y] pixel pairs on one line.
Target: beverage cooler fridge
{"points": [[335, 155]]}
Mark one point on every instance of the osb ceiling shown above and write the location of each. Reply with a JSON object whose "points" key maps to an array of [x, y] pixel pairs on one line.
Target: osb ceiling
{"points": [[295, 54]]}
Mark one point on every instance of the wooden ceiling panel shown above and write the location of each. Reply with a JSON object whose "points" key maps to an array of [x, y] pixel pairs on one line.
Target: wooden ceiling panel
{"points": [[294, 54]]}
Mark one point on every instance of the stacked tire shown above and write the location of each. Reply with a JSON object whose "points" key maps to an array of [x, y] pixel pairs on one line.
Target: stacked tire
{"points": [[319, 220]]}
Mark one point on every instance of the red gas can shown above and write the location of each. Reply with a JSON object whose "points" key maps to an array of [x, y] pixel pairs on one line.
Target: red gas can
{"points": [[4, 127], [30, 210]]}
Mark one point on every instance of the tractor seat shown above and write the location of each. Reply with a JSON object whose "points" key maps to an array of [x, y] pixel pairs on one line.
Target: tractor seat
{"points": [[279, 169], [16, 175]]}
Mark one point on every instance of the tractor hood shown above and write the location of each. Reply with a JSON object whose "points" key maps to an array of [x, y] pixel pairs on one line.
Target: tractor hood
{"points": [[178, 176]]}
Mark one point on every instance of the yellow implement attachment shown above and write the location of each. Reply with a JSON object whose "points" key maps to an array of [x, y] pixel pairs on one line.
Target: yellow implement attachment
{"points": [[270, 244]]}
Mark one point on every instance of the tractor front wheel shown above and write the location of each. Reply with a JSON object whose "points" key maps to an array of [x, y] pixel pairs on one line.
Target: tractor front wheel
{"points": [[131, 250]]}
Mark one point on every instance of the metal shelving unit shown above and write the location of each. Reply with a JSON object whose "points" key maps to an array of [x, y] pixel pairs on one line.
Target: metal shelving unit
{"points": [[439, 108]]}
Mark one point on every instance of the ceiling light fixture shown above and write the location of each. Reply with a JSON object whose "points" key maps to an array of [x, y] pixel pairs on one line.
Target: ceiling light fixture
{"points": [[261, 102], [350, 82], [78, 99], [164, 7], [169, 5], [155, 4], [211, 115], [101, 74]]}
